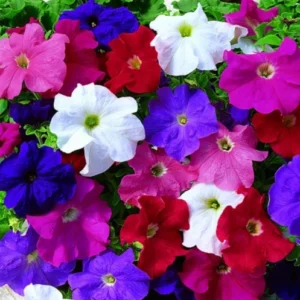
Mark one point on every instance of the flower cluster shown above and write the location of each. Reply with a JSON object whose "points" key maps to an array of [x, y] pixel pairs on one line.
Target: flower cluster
{"points": [[145, 151]]}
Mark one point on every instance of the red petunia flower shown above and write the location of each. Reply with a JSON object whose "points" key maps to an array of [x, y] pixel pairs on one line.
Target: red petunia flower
{"points": [[157, 227], [282, 132], [76, 159], [252, 237], [132, 63]]}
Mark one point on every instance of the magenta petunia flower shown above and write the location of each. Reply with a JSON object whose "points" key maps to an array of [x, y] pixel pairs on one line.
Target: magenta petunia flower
{"points": [[210, 278], [76, 230], [29, 58], [225, 158], [264, 81], [81, 59], [9, 138], [250, 16], [156, 174]]}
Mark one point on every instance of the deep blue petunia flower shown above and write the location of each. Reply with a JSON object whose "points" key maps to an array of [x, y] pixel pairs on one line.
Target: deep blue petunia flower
{"points": [[105, 22], [35, 180], [21, 265]]}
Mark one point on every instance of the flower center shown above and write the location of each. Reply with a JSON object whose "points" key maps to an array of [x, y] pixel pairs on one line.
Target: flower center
{"points": [[266, 71], [225, 144], [109, 279], [91, 121], [289, 120], [158, 170], [70, 215], [31, 176], [223, 269], [213, 203], [151, 230], [134, 63], [185, 30], [93, 21], [182, 119], [32, 256], [22, 61], [254, 227]]}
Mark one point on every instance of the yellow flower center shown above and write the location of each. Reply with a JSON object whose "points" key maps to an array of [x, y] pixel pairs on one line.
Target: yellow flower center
{"points": [[22, 61], [91, 121], [223, 269], [151, 230], [109, 279], [254, 227], [134, 63], [225, 144], [213, 203], [266, 70], [185, 30], [32, 256], [182, 119], [289, 120]]}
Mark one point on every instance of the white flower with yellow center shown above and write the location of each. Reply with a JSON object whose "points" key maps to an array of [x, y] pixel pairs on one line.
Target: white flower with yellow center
{"points": [[103, 125], [206, 203], [189, 42]]}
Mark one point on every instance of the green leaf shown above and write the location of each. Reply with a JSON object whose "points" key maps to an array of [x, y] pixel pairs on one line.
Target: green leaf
{"points": [[3, 105], [295, 254], [186, 5], [271, 39]]}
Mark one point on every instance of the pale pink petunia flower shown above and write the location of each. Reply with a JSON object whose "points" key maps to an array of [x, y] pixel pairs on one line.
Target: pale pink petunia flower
{"points": [[156, 174], [225, 158], [76, 230], [31, 59]]}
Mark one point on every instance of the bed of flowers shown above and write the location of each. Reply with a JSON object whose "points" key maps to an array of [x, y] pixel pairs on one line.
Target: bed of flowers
{"points": [[149, 149]]}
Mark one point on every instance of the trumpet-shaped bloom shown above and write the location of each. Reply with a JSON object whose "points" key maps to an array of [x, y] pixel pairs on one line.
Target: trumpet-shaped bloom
{"points": [[206, 204], [264, 81], [226, 158], [31, 59], [184, 43], [93, 118]]}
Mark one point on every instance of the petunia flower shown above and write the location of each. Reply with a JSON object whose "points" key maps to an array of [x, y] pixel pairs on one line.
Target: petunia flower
{"points": [[111, 277], [179, 119], [35, 179], [93, 118], [132, 63], [21, 265], [76, 230], [284, 199], [105, 22], [252, 237], [156, 174], [264, 81], [184, 43], [225, 158], [81, 59], [157, 227], [39, 291], [250, 15], [210, 278], [9, 138], [282, 132], [76, 159], [31, 59], [206, 204]]}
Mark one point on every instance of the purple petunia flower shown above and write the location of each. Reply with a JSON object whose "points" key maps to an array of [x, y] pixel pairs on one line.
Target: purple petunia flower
{"points": [[110, 277], [20, 264], [105, 22], [284, 204], [35, 180], [178, 119]]}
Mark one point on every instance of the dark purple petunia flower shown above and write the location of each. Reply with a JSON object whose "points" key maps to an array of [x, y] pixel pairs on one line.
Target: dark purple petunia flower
{"points": [[107, 23], [35, 180], [20, 264], [110, 277], [178, 120], [34, 113], [284, 195], [170, 283]]}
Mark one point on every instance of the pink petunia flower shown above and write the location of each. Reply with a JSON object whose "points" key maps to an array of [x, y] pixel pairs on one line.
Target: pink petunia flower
{"points": [[76, 230], [210, 278], [250, 16], [29, 58], [264, 81], [156, 174], [81, 59], [9, 138], [225, 158]]}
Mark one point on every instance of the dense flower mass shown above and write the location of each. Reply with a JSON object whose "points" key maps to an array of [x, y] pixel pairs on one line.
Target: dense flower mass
{"points": [[149, 150]]}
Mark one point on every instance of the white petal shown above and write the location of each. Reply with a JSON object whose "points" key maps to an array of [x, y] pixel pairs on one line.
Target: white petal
{"points": [[39, 292], [97, 160], [61, 102], [166, 23], [6, 293]]}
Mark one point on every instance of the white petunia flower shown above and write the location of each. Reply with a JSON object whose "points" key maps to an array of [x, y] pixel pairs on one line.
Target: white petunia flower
{"points": [[103, 125], [41, 292], [189, 42], [206, 203]]}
